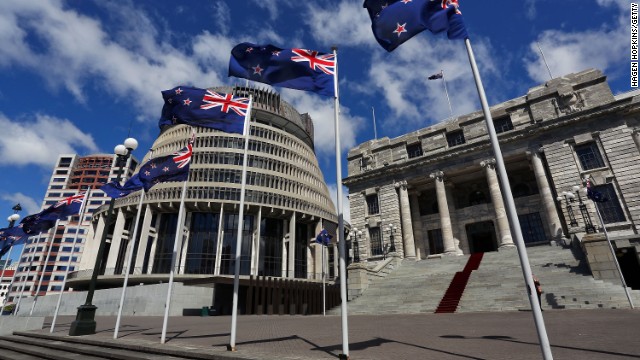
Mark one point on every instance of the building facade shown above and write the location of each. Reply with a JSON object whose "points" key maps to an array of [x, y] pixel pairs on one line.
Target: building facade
{"points": [[435, 191], [287, 203], [45, 258]]}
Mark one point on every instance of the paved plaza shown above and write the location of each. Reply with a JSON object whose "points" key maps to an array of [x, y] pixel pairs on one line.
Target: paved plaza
{"points": [[573, 334]]}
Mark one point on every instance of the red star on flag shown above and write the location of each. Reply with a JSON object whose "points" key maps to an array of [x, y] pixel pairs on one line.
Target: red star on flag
{"points": [[179, 91], [400, 29], [257, 70], [275, 53], [407, 1], [249, 49], [187, 102]]}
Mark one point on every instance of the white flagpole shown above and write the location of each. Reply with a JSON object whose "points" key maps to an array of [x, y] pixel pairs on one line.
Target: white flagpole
{"points": [[615, 258], [236, 278], [324, 297], [6, 263], [177, 239], [44, 268], [4, 301], [545, 61], [24, 283], [73, 249], [128, 265], [512, 214], [341, 244], [375, 132], [444, 82]]}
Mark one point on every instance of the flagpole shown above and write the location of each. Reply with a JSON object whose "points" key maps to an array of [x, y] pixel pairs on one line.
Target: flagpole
{"points": [[177, 239], [324, 306], [6, 263], [545, 60], [615, 258], [44, 268], [83, 209], [4, 301], [512, 214], [24, 283], [375, 132], [444, 82], [128, 265], [236, 278], [341, 245]]}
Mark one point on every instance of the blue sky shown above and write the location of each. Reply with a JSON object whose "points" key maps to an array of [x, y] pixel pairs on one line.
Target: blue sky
{"points": [[76, 76]]}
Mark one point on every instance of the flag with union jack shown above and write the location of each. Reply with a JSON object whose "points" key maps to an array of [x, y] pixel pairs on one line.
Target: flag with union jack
{"points": [[10, 237], [205, 108], [115, 190], [46, 219], [395, 21], [174, 167], [299, 69]]}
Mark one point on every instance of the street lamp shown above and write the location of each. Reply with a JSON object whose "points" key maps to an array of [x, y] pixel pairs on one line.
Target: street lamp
{"points": [[588, 225], [568, 199], [392, 230], [85, 323], [354, 236], [12, 219]]}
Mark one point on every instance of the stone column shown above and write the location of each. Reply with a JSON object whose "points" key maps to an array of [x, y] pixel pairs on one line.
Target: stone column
{"points": [[116, 240], [504, 231], [408, 243], [218, 262], [636, 137], [144, 231], [292, 247], [417, 229], [445, 217], [550, 213], [255, 245]]}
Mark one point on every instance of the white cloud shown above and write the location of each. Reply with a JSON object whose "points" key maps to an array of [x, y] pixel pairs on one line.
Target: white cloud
{"points": [[569, 52], [40, 142], [321, 110], [333, 191], [28, 204], [127, 63], [347, 23]]}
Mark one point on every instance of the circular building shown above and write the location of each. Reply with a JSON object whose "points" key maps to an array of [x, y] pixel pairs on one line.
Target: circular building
{"points": [[286, 204]]}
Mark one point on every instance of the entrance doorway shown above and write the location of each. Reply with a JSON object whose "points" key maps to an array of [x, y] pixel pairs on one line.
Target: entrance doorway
{"points": [[482, 237], [628, 260]]}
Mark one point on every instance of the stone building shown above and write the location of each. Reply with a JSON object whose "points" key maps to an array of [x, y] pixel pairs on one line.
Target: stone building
{"points": [[435, 191], [287, 203]]}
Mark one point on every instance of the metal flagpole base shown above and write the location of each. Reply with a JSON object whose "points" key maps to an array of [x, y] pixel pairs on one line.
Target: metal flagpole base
{"points": [[343, 357], [231, 348], [85, 323]]}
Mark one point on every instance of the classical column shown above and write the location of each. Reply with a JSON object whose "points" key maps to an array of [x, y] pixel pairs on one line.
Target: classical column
{"points": [[183, 248], [145, 228], [550, 212], [255, 245], [417, 229], [636, 137], [445, 217], [218, 262], [116, 242], [409, 245], [504, 231], [292, 246]]}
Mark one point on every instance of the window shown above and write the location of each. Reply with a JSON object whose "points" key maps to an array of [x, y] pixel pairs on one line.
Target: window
{"points": [[531, 227], [64, 162], [375, 239], [414, 150], [436, 245], [610, 210], [502, 124], [455, 138], [372, 204], [589, 156]]}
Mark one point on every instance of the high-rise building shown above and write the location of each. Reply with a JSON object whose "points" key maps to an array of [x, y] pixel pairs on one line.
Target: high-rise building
{"points": [[43, 263]]}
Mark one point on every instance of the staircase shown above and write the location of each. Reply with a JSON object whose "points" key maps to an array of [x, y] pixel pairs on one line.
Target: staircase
{"points": [[496, 285], [33, 345], [451, 298]]}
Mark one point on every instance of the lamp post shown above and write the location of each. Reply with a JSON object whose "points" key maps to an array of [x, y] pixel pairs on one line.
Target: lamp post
{"points": [[588, 225], [392, 230], [85, 323], [354, 239], [568, 199]]}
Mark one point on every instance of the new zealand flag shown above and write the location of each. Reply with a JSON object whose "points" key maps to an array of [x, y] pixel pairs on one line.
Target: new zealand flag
{"points": [[10, 237], [46, 219], [174, 167], [323, 238], [395, 21], [299, 69], [115, 190], [205, 108]]}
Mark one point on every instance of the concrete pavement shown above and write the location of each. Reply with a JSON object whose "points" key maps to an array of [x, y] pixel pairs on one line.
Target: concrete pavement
{"points": [[573, 334]]}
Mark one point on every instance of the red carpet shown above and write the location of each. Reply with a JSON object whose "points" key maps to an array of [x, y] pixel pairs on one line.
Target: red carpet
{"points": [[451, 298]]}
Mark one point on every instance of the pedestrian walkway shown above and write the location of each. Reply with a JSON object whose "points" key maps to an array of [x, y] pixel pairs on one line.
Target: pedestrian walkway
{"points": [[573, 334]]}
